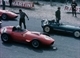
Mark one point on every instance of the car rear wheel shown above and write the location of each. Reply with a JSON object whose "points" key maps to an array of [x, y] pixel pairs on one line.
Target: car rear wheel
{"points": [[47, 29], [4, 16], [35, 43], [5, 37], [77, 34]]}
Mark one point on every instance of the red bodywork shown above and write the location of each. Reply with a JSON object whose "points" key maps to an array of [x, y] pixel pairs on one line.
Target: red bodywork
{"points": [[27, 36], [8, 13]]}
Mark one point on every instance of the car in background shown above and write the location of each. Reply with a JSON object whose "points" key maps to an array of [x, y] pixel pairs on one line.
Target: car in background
{"points": [[36, 39], [50, 26], [5, 14]]}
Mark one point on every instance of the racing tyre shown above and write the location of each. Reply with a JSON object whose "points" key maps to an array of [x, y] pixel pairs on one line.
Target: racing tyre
{"points": [[5, 37], [47, 29], [35, 43], [77, 34], [4, 16]]}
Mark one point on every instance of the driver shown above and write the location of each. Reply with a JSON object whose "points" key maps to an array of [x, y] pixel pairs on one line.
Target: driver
{"points": [[17, 28]]}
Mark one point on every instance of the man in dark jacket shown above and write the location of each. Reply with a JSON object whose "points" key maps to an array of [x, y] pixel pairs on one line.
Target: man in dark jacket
{"points": [[22, 18], [73, 5], [58, 15]]}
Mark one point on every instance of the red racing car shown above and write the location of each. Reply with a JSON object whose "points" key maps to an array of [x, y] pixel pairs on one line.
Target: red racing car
{"points": [[36, 39], [5, 14]]}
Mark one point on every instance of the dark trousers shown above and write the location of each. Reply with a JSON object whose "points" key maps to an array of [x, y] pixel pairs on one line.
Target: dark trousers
{"points": [[57, 20], [3, 6], [74, 12], [10, 2], [22, 21]]}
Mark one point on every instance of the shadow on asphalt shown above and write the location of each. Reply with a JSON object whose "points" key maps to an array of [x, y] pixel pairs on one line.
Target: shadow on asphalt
{"points": [[28, 46], [78, 18], [10, 20], [71, 12], [66, 34]]}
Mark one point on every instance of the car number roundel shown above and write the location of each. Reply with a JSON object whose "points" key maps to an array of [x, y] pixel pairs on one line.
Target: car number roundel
{"points": [[3, 30]]}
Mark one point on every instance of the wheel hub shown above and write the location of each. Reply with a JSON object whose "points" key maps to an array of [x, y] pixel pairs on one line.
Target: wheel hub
{"points": [[47, 29], [3, 16], [35, 44], [5, 38], [77, 34]]}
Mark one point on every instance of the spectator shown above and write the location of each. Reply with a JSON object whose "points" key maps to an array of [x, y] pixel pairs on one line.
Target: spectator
{"points": [[58, 15], [3, 6], [22, 18], [73, 5], [10, 3]]}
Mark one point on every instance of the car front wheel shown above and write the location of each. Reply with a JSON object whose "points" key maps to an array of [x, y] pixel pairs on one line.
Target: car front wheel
{"points": [[47, 29], [4, 16], [35, 43], [5, 37], [77, 34]]}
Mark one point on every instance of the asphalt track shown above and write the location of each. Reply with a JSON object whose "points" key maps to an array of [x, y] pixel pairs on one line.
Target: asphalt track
{"points": [[67, 45]]}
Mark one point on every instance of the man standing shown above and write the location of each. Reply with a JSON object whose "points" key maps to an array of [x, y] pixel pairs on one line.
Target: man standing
{"points": [[73, 5], [10, 2], [3, 4], [22, 18], [58, 15]]}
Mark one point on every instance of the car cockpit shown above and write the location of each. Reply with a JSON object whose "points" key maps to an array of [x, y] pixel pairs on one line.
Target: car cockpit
{"points": [[17, 29]]}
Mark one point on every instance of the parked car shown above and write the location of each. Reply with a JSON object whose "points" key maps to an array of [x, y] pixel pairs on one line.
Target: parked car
{"points": [[36, 39], [50, 25], [5, 14]]}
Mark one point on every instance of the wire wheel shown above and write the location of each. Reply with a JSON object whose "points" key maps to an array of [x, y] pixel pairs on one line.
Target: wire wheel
{"points": [[77, 34], [4, 37], [35, 43], [47, 29], [4, 16]]}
